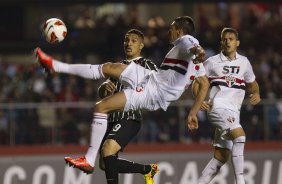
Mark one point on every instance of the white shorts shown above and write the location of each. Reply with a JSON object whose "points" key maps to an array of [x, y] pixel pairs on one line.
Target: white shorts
{"points": [[224, 120], [133, 75], [141, 90]]}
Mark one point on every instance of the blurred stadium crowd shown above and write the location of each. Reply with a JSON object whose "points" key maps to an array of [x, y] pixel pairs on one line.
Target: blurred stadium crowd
{"points": [[97, 40]]}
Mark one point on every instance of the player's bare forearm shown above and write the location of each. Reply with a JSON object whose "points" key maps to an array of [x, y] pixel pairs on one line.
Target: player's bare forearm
{"points": [[253, 92], [201, 93], [252, 88], [192, 120]]}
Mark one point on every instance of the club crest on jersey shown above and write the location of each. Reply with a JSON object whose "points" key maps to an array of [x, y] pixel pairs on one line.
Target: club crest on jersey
{"points": [[231, 119], [230, 80], [139, 89]]}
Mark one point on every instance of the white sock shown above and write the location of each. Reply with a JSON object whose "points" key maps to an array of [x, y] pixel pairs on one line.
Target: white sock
{"points": [[238, 159], [210, 171], [99, 127], [83, 70]]}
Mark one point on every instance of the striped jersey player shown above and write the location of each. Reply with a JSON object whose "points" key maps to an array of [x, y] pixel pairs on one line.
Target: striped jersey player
{"points": [[146, 90], [228, 80]]}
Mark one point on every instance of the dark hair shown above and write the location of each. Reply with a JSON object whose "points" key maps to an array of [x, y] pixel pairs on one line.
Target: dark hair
{"points": [[137, 32], [185, 23], [229, 30]]}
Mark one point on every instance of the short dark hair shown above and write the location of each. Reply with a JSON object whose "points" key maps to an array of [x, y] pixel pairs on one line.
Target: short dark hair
{"points": [[137, 32], [185, 23], [229, 30]]}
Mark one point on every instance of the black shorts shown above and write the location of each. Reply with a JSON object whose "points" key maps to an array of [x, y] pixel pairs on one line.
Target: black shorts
{"points": [[122, 131]]}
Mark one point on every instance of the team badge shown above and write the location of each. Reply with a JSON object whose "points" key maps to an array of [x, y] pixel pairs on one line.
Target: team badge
{"points": [[231, 119], [230, 80], [139, 89]]}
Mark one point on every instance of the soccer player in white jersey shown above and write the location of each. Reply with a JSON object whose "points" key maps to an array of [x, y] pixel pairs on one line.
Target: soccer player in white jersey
{"points": [[230, 74], [147, 89]]}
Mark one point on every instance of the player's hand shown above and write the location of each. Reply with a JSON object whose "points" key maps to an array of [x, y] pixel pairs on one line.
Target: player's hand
{"points": [[109, 86], [192, 122], [254, 98], [199, 53], [206, 106]]}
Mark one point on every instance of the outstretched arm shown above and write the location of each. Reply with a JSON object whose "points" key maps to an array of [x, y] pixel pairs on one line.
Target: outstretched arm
{"points": [[192, 120], [253, 92], [206, 105]]}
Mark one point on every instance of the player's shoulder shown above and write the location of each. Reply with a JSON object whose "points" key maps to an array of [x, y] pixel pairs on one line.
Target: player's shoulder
{"points": [[212, 59], [188, 40], [242, 57], [143, 60], [148, 63]]}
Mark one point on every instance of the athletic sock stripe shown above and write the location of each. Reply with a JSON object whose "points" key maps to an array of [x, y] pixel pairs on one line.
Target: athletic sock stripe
{"points": [[100, 117], [100, 70]]}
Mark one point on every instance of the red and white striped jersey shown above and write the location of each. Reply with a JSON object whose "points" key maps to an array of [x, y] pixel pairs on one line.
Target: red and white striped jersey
{"points": [[228, 80], [177, 69]]}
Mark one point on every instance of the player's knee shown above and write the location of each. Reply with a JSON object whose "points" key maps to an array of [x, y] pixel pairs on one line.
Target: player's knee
{"points": [[110, 147], [113, 69], [107, 67], [237, 132]]}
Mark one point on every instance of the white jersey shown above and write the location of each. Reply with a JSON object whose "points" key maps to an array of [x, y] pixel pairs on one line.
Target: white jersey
{"points": [[159, 89], [177, 70], [228, 80]]}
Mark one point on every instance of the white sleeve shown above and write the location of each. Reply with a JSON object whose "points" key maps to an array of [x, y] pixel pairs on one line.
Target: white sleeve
{"points": [[249, 75], [207, 66], [200, 70], [192, 42], [196, 70]]}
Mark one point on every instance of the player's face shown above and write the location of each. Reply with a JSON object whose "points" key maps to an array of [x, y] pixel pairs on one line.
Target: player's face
{"points": [[132, 45], [173, 33], [229, 43]]}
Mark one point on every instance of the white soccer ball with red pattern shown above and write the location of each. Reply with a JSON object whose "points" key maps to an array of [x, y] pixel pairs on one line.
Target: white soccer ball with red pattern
{"points": [[54, 30]]}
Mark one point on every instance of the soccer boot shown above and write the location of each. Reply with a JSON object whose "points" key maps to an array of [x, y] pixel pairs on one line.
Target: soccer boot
{"points": [[80, 163], [149, 178], [44, 60], [69, 161]]}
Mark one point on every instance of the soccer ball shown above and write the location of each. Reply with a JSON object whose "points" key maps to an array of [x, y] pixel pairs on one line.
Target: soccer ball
{"points": [[54, 30]]}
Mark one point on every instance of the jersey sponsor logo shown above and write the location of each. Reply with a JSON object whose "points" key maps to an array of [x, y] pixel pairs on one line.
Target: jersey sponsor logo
{"points": [[231, 69]]}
